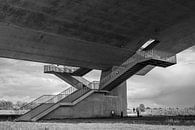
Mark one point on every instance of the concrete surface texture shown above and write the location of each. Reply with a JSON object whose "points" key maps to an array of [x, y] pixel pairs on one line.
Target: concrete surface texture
{"points": [[87, 126], [92, 34], [96, 105], [121, 92]]}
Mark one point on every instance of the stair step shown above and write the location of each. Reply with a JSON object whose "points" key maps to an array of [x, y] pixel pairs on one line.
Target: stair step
{"points": [[62, 103], [27, 116], [134, 64], [44, 108]]}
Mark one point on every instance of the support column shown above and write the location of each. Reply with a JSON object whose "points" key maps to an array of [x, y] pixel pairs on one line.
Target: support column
{"points": [[120, 91], [114, 80]]}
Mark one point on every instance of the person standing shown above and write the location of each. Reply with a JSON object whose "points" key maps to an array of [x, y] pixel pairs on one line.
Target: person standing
{"points": [[138, 111], [133, 110]]}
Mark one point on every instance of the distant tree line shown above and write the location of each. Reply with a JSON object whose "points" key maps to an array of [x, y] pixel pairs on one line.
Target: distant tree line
{"points": [[8, 105]]}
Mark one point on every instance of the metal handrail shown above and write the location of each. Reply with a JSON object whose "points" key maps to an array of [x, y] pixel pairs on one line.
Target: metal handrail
{"points": [[61, 95], [89, 85], [94, 85], [36, 102], [64, 69], [77, 94], [139, 57], [53, 68], [155, 54]]}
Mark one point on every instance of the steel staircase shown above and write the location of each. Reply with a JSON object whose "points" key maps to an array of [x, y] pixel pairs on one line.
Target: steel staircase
{"points": [[70, 100], [64, 73], [36, 102], [134, 64], [69, 97], [44, 105], [74, 71]]}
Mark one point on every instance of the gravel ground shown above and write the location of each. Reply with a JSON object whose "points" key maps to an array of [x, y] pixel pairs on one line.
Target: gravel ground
{"points": [[87, 126]]}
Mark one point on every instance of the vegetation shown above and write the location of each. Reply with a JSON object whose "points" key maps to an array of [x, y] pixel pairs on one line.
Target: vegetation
{"points": [[87, 126], [142, 107], [8, 105]]}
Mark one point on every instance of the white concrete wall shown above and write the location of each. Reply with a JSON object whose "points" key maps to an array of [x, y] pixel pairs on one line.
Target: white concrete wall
{"points": [[96, 105]]}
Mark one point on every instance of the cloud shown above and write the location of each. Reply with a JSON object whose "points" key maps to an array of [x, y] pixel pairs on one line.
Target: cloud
{"points": [[172, 86], [24, 80]]}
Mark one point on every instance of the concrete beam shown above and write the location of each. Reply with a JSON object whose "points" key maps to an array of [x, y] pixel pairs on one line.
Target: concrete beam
{"points": [[70, 80], [81, 71], [27, 44], [120, 91]]}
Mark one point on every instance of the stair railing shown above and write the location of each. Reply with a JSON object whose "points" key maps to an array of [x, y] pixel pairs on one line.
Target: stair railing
{"points": [[60, 69], [61, 95], [160, 55], [76, 94], [36, 102], [139, 57], [94, 85]]}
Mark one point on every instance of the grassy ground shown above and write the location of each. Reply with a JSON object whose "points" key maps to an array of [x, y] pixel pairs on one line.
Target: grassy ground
{"points": [[151, 120], [128, 123], [87, 126]]}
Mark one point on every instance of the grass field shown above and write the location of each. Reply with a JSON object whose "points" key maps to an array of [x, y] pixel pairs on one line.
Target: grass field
{"points": [[87, 126]]}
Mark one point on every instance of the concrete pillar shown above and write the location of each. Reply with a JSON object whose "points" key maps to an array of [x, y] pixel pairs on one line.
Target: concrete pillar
{"points": [[120, 91]]}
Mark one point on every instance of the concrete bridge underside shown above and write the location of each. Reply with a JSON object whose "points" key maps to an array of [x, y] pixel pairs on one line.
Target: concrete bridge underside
{"points": [[77, 33], [95, 34]]}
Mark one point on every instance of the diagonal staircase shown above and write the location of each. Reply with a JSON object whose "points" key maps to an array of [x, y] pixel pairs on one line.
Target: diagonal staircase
{"points": [[65, 74], [36, 102], [45, 105], [69, 97], [70, 100], [134, 64]]}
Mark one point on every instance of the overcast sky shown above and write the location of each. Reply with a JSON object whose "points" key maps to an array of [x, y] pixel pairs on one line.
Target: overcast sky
{"points": [[173, 86]]}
